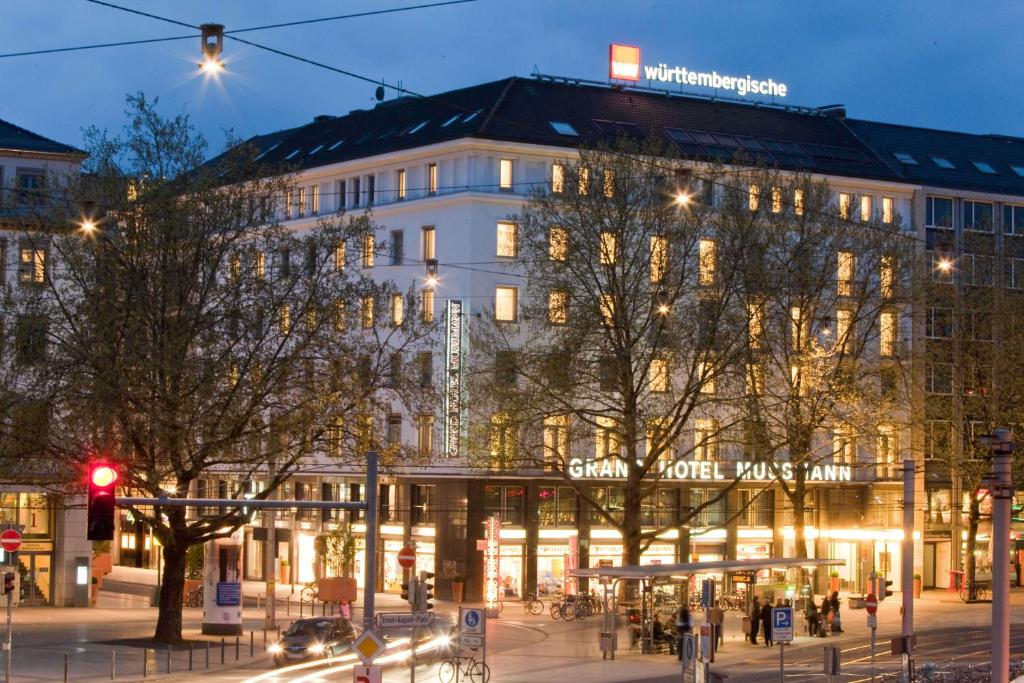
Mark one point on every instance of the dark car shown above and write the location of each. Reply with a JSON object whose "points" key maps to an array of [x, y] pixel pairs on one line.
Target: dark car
{"points": [[313, 638]]}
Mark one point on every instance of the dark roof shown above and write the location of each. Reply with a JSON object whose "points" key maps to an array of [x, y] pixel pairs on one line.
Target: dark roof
{"points": [[936, 150], [17, 138]]}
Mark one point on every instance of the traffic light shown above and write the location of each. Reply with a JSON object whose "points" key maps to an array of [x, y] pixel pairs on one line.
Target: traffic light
{"points": [[409, 591], [425, 592], [886, 592], [102, 500], [9, 582]]}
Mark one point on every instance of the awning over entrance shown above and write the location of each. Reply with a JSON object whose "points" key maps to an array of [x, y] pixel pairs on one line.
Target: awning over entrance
{"points": [[651, 571]]}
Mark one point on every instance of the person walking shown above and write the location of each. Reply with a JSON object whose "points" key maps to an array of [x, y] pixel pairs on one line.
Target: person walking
{"points": [[826, 608], [755, 620], [683, 627], [833, 602], [717, 618], [811, 614], [766, 622]]}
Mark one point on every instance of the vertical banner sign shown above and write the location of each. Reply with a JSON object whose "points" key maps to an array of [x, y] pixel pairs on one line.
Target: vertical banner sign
{"points": [[453, 378], [572, 561], [492, 561]]}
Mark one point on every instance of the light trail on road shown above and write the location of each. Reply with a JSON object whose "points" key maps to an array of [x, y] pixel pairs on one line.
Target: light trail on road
{"points": [[428, 646]]}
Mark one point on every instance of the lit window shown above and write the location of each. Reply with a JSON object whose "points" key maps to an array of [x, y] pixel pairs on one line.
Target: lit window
{"points": [[887, 277], [844, 329], [558, 306], [288, 202], [753, 197], [607, 440], [845, 202], [505, 303], [301, 201], [707, 257], [583, 186], [658, 437], [285, 319], [755, 379], [505, 167], [32, 268], [844, 273], [259, 264], [887, 334], [556, 439], [844, 448], [367, 251], [425, 435], [865, 208], [339, 316], [557, 177], [705, 377], [558, 243], [314, 200], [705, 439], [887, 210], [507, 245], [659, 375], [609, 183], [606, 306], [887, 455], [429, 235], [609, 248], [366, 311], [397, 309], [799, 328], [427, 311], [983, 166], [798, 202], [563, 128], [339, 255], [659, 257], [755, 324], [400, 184], [776, 200], [432, 179]]}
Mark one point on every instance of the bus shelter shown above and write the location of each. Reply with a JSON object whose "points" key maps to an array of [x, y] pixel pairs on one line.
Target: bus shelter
{"points": [[651, 575]]}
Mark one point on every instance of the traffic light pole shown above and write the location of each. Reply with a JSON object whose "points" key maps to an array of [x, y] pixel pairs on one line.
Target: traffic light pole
{"points": [[1001, 445], [907, 562], [8, 644]]}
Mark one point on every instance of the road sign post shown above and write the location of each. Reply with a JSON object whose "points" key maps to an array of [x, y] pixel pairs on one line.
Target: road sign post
{"points": [[9, 588], [871, 606], [367, 674], [782, 633]]}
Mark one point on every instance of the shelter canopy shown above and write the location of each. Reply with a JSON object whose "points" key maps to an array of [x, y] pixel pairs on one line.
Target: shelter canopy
{"points": [[651, 571]]}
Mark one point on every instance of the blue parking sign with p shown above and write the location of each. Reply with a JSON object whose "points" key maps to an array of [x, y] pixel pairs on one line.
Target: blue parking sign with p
{"points": [[782, 624]]}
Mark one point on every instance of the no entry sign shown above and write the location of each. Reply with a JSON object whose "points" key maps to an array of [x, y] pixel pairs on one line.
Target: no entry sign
{"points": [[10, 540], [407, 557], [871, 603]]}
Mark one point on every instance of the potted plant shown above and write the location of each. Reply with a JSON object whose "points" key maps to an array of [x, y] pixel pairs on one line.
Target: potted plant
{"points": [[917, 585], [285, 574], [458, 587], [833, 582], [194, 560]]}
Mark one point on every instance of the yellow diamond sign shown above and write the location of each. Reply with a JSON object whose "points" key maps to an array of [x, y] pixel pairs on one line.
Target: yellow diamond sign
{"points": [[368, 646]]}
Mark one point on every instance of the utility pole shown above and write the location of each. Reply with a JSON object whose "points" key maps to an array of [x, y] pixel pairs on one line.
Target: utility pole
{"points": [[269, 566], [370, 580], [1000, 445], [907, 560]]}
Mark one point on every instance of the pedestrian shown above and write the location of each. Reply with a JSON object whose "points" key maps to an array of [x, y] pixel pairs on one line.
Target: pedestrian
{"points": [[755, 620], [766, 622], [837, 624], [717, 617], [682, 628], [823, 616], [811, 614]]}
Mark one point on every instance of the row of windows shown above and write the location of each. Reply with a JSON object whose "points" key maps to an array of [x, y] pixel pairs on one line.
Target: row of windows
{"points": [[976, 269], [977, 378], [977, 216]]}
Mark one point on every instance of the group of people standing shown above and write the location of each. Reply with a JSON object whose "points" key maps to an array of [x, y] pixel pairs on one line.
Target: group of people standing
{"points": [[818, 620]]}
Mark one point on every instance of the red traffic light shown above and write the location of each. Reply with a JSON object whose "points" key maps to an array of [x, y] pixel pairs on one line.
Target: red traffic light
{"points": [[103, 475]]}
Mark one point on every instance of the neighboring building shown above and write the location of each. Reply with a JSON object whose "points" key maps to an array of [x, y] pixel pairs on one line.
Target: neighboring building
{"points": [[53, 531], [442, 176]]}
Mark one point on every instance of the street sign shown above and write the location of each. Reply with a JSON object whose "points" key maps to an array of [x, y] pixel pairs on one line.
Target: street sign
{"points": [[782, 624], [407, 557], [872, 621], [689, 648], [472, 642], [743, 577], [707, 652], [404, 619], [10, 540], [472, 628], [367, 674], [368, 646], [871, 603]]}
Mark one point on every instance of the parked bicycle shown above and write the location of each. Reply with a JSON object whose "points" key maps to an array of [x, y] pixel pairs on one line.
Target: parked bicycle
{"points": [[309, 592], [466, 668], [980, 591], [531, 605]]}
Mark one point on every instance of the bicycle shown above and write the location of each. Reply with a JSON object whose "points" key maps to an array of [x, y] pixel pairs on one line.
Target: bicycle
{"points": [[531, 605], [470, 668], [195, 597], [309, 592], [980, 591]]}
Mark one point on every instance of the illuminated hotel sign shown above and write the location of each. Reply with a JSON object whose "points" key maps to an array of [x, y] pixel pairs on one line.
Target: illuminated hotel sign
{"points": [[453, 378], [624, 65], [705, 470]]}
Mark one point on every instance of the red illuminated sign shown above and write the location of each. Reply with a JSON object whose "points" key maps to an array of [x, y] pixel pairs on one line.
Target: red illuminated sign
{"points": [[624, 63]]}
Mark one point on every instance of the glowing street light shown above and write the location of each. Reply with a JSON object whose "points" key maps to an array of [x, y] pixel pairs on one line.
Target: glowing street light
{"points": [[682, 198], [88, 223], [212, 46], [944, 264], [431, 280]]}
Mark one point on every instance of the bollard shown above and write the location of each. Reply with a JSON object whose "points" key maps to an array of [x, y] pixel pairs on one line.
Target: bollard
{"points": [[288, 605], [252, 643], [66, 657], [113, 664], [168, 659], [237, 638], [207, 654], [221, 650], [191, 651], [145, 662], [264, 637]]}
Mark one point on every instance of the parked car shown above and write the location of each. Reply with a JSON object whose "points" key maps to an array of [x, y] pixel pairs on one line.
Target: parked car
{"points": [[313, 638]]}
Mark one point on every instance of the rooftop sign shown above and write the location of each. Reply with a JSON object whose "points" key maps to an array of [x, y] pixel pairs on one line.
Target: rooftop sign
{"points": [[624, 64]]}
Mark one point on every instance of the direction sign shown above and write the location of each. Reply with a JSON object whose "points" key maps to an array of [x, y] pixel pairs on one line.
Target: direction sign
{"points": [[368, 646], [367, 674], [407, 557], [871, 603], [404, 619], [782, 624], [10, 540]]}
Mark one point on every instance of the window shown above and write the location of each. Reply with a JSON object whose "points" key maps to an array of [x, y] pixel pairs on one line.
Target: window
{"points": [[1013, 219], [905, 158], [558, 306], [427, 305], [938, 323], [505, 303], [397, 309], [368, 248], [29, 185], [284, 319], [658, 375], [755, 379], [755, 324], [30, 338], [977, 216], [1013, 275], [607, 441], [942, 267], [798, 202], [357, 194], [977, 378], [707, 255], [844, 273], [505, 372], [887, 334], [557, 178], [887, 210], [706, 377], [339, 316], [339, 256], [428, 236], [943, 162], [938, 212], [977, 269], [417, 128], [887, 451], [366, 310], [371, 189], [314, 200], [505, 169], [1019, 170], [936, 439], [800, 329], [659, 257], [558, 243], [583, 181], [980, 323], [395, 369], [425, 368], [705, 439], [425, 435], [887, 277], [507, 244], [776, 200], [845, 202], [400, 184], [301, 201], [32, 265], [397, 247], [563, 128], [609, 183], [342, 195], [753, 197], [284, 262], [502, 443], [865, 208], [606, 307], [984, 166], [431, 179], [608, 248], [844, 448], [556, 441], [844, 330], [938, 378]]}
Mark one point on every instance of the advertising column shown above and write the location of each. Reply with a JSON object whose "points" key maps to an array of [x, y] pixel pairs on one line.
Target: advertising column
{"points": [[222, 586]]}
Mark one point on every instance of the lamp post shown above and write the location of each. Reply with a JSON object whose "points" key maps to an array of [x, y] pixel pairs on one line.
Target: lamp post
{"points": [[1000, 444]]}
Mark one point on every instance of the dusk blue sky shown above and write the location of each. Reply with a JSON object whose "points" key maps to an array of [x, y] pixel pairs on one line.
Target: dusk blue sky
{"points": [[935, 63]]}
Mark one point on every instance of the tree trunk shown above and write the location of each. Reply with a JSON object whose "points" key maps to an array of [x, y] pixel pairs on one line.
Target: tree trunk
{"points": [[631, 530], [168, 623], [970, 563], [798, 499]]}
